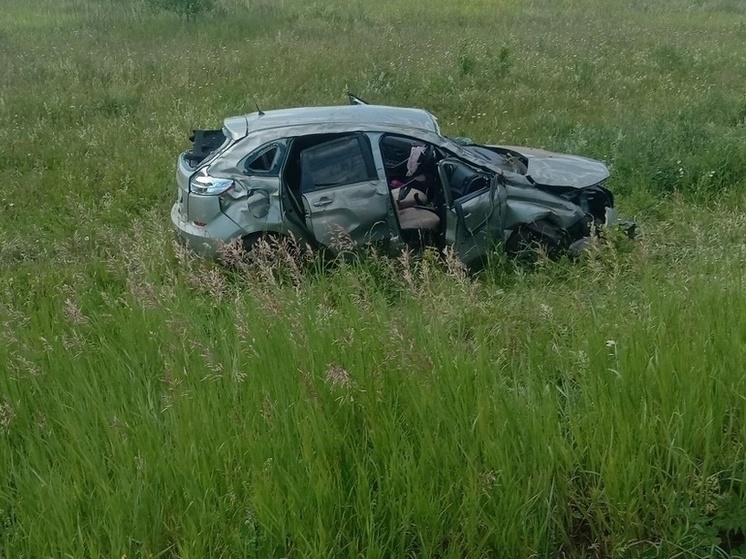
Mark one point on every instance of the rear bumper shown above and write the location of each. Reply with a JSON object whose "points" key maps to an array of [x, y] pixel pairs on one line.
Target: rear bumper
{"points": [[205, 240]]}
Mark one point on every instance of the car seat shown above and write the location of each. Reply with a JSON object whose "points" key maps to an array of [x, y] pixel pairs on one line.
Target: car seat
{"points": [[410, 197]]}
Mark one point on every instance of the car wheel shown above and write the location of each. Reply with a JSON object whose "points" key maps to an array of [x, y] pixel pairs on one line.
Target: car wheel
{"points": [[257, 245], [530, 242], [269, 247]]}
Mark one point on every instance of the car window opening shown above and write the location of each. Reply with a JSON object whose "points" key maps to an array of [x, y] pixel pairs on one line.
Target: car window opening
{"points": [[204, 144], [338, 162], [464, 180], [292, 175], [264, 162], [416, 192]]}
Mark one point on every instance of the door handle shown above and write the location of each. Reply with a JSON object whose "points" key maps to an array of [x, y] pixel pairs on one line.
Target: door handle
{"points": [[323, 201]]}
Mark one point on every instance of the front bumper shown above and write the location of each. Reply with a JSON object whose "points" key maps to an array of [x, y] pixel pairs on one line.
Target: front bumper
{"points": [[628, 226], [613, 222], [205, 240], [576, 248]]}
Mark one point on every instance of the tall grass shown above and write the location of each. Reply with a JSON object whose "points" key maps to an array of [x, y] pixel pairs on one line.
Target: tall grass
{"points": [[152, 404], [379, 408]]}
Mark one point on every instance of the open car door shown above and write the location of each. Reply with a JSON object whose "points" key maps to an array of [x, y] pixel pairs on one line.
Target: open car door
{"points": [[345, 202], [474, 220]]}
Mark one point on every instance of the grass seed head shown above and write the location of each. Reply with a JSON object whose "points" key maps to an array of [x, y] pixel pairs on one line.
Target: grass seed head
{"points": [[337, 376], [7, 415], [73, 313]]}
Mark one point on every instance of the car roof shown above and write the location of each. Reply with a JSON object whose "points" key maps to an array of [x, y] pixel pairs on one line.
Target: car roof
{"points": [[372, 116]]}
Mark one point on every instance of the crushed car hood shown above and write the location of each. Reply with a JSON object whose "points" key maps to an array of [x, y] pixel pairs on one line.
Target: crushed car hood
{"points": [[558, 169], [544, 168]]}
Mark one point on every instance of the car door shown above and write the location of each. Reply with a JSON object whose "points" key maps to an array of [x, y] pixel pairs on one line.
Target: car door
{"points": [[345, 201], [476, 203]]}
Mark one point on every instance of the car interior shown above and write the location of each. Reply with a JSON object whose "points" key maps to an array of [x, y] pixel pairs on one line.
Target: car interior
{"points": [[411, 167], [291, 174], [412, 176], [417, 189]]}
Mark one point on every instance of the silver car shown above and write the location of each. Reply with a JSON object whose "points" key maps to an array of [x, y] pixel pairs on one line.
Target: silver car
{"points": [[380, 175]]}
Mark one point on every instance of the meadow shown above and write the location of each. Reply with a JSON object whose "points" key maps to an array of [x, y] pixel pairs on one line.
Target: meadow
{"points": [[156, 405]]}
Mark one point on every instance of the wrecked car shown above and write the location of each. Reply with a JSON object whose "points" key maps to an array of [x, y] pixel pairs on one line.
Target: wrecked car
{"points": [[380, 175]]}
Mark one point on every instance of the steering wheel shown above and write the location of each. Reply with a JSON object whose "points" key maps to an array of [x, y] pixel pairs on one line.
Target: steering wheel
{"points": [[469, 187]]}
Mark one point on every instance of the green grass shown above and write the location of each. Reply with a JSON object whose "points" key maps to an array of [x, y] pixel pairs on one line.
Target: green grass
{"points": [[155, 405]]}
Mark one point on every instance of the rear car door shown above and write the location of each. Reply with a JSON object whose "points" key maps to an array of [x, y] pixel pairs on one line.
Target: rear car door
{"points": [[345, 201], [476, 201]]}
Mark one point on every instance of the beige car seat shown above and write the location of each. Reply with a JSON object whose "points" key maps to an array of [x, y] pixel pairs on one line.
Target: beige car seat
{"points": [[418, 217], [411, 203], [408, 197]]}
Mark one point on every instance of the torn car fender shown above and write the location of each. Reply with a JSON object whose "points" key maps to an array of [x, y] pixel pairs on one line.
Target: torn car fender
{"points": [[526, 205]]}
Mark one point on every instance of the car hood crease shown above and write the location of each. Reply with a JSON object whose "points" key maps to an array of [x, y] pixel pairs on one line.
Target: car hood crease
{"points": [[553, 169]]}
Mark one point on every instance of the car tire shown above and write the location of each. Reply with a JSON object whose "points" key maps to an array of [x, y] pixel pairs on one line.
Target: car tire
{"points": [[529, 242], [251, 242], [298, 250]]}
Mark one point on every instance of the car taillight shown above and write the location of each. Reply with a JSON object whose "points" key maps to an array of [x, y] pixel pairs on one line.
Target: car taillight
{"points": [[209, 186]]}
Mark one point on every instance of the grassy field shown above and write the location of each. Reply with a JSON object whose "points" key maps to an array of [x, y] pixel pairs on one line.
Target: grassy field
{"points": [[153, 405]]}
